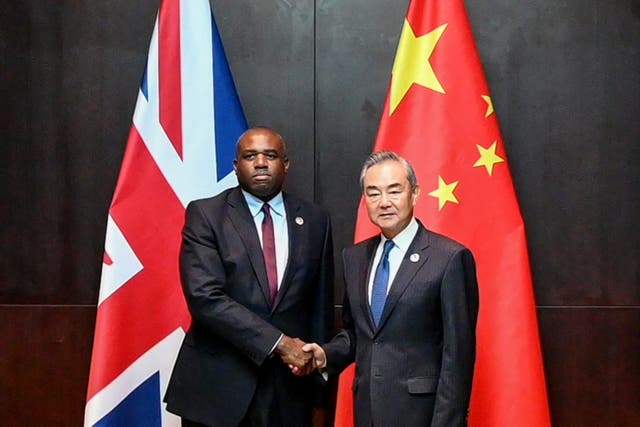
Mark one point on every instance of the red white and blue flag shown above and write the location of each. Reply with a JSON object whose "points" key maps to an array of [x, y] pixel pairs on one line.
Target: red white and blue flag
{"points": [[181, 146]]}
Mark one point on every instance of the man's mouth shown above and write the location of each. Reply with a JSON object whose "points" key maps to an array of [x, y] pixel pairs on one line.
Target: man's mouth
{"points": [[261, 177]]}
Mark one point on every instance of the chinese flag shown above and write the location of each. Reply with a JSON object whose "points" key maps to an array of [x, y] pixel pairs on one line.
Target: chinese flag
{"points": [[439, 116]]}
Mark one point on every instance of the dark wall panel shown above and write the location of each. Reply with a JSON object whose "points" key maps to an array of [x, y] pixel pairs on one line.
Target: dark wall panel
{"points": [[270, 50], [355, 47], [565, 80], [70, 74], [592, 365], [44, 364]]}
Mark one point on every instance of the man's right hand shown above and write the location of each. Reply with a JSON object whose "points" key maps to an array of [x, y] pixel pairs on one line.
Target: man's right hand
{"points": [[290, 351], [319, 360]]}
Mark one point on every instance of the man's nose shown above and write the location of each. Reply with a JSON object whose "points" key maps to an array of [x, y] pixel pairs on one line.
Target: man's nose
{"points": [[261, 161], [385, 200]]}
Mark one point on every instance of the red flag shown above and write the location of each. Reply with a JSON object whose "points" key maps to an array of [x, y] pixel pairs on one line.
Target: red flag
{"points": [[439, 116]]}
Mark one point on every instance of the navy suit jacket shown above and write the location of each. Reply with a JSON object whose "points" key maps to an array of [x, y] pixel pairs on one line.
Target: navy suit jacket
{"points": [[234, 327], [416, 368]]}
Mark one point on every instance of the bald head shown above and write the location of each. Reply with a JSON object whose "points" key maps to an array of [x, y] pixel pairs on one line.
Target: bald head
{"points": [[261, 162], [264, 131]]}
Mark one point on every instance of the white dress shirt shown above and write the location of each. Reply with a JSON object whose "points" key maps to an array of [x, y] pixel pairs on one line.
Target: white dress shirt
{"points": [[280, 231], [396, 254]]}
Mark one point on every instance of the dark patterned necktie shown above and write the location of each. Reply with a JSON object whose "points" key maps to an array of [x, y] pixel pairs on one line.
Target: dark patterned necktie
{"points": [[269, 251]]}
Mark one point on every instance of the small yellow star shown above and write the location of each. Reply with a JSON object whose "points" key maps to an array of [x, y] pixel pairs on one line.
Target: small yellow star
{"points": [[412, 63], [444, 193], [488, 157], [489, 102]]}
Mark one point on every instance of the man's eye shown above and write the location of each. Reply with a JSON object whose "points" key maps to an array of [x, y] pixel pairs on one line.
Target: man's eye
{"points": [[249, 156], [373, 195], [272, 156]]}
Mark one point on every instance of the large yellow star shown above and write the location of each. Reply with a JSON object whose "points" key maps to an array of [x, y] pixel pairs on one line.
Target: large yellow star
{"points": [[488, 157], [489, 102], [444, 192], [412, 63]]}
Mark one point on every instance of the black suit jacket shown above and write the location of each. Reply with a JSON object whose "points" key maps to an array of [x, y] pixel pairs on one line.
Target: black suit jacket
{"points": [[416, 368], [234, 327]]}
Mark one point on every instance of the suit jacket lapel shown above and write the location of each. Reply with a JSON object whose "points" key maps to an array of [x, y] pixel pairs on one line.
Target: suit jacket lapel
{"points": [[408, 269], [295, 231], [244, 224]]}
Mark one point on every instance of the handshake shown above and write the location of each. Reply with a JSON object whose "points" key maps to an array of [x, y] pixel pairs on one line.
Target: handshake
{"points": [[302, 358]]}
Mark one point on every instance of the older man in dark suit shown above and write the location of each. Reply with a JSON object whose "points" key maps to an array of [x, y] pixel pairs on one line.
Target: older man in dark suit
{"points": [[256, 268], [411, 304]]}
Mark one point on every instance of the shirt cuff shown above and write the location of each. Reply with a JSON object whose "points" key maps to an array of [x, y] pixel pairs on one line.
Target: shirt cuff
{"points": [[275, 345]]}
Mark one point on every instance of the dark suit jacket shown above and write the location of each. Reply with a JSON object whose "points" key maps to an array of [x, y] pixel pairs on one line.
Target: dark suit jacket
{"points": [[234, 328], [416, 369]]}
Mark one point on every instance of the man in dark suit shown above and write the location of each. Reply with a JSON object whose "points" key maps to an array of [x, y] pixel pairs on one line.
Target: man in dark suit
{"points": [[411, 304], [258, 284]]}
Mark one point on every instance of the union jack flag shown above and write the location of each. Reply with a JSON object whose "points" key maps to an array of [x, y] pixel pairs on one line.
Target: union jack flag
{"points": [[181, 146]]}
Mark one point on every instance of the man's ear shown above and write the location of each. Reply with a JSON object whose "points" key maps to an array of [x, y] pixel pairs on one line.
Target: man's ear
{"points": [[415, 195]]}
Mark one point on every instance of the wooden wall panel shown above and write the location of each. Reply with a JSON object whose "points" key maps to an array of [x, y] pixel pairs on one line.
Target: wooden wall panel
{"points": [[565, 82], [70, 74], [355, 47], [44, 364], [269, 46], [592, 365]]}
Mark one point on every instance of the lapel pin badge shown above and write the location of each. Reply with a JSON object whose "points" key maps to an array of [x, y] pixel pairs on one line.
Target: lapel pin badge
{"points": [[414, 258], [299, 220]]}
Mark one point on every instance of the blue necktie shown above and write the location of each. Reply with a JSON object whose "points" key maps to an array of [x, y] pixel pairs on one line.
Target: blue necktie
{"points": [[380, 283]]}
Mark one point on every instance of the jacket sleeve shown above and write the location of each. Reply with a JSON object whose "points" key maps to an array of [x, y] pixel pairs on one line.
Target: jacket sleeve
{"points": [[459, 306], [341, 350]]}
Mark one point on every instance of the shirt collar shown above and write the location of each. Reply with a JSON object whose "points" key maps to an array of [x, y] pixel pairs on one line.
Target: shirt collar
{"points": [[405, 237], [276, 204]]}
